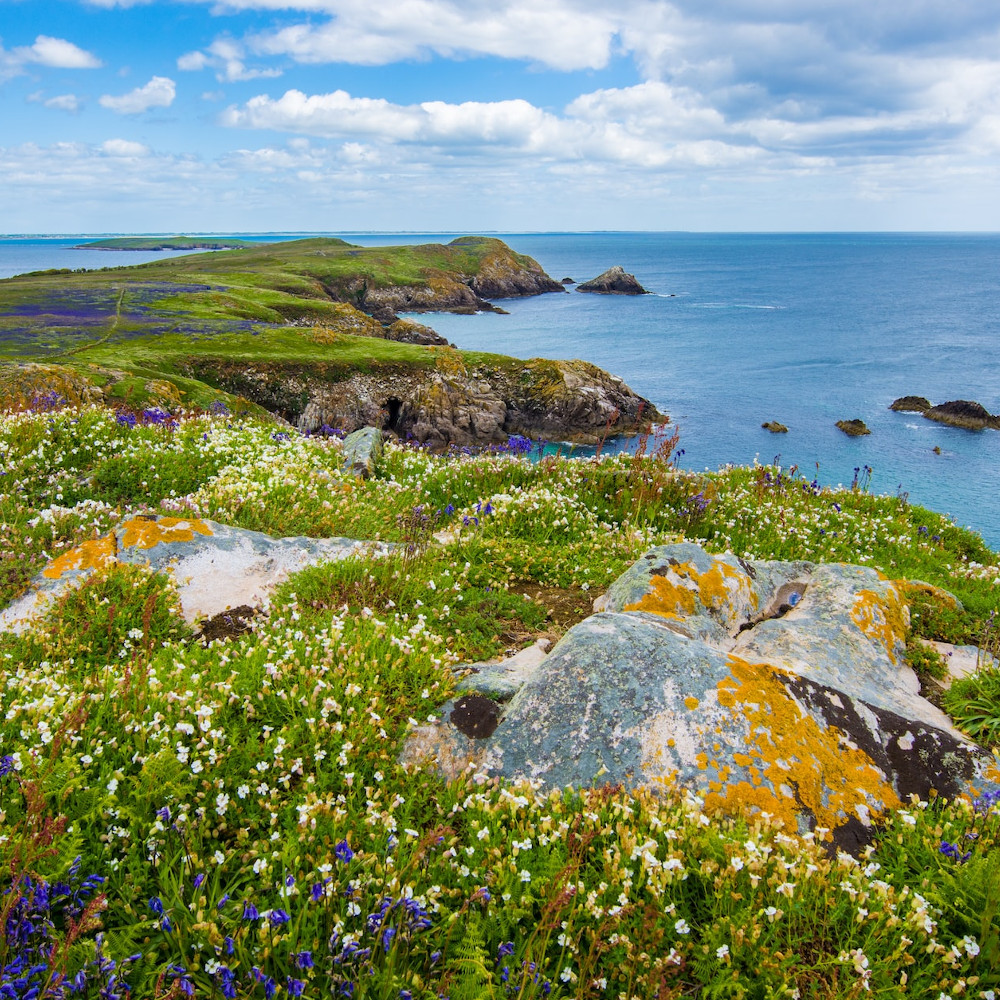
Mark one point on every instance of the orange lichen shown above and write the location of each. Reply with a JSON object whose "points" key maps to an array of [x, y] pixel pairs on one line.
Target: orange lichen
{"points": [[691, 702], [665, 598], [94, 554], [882, 619], [144, 534], [795, 765], [674, 595]]}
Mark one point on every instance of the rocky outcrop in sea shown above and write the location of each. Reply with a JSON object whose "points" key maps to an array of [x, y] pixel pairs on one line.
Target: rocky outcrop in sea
{"points": [[614, 281]]}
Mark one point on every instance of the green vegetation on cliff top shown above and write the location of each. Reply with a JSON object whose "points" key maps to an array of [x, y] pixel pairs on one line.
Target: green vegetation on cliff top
{"points": [[282, 305]]}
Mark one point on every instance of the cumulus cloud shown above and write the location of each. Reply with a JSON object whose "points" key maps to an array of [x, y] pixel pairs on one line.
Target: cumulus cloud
{"points": [[590, 130], [158, 93], [226, 56], [559, 33], [56, 53]]}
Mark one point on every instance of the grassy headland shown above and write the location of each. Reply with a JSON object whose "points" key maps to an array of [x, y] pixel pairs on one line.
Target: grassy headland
{"points": [[169, 332], [230, 818]]}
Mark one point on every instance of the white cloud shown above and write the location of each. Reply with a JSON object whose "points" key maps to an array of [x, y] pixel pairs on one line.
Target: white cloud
{"points": [[124, 147], [56, 53], [63, 102], [559, 33], [507, 128], [158, 93], [226, 56]]}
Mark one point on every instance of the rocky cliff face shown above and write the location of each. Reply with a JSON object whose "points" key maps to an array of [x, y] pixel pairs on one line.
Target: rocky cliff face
{"points": [[499, 273], [451, 403], [556, 400]]}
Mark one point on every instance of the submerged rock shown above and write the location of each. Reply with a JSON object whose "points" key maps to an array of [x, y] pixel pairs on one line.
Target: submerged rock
{"points": [[853, 428], [963, 413], [770, 686], [614, 281], [910, 404]]}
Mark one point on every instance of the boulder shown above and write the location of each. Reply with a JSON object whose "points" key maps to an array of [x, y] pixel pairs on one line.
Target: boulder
{"points": [[362, 450], [760, 686], [614, 281], [216, 567], [774, 427], [853, 428], [911, 404], [963, 413]]}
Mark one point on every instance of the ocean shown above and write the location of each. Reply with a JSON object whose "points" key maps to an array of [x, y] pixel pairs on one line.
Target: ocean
{"points": [[804, 329]]}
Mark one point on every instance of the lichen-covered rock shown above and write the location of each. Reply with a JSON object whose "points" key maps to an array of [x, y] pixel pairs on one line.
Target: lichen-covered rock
{"points": [[362, 450], [614, 281], [215, 567], [768, 686]]}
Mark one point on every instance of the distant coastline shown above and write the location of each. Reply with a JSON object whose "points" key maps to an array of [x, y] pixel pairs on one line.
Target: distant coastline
{"points": [[148, 243]]}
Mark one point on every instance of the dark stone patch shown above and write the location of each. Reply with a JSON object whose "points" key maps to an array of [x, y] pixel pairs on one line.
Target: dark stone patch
{"points": [[747, 568], [228, 624], [851, 837], [936, 761], [476, 715]]}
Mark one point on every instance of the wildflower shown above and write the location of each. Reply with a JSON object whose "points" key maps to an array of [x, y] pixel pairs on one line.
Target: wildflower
{"points": [[722, 952], [156, 905], [343, 852], [681, 926], [250, 911], [279, 918]]}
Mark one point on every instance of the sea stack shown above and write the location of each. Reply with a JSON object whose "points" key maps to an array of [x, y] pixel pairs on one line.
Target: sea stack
{"points": [[614, 281]]}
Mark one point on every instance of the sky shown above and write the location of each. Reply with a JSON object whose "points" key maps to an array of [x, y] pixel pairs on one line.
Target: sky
{"points": [[485, 115]]}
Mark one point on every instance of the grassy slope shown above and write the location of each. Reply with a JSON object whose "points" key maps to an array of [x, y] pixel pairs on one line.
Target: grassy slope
{"points": [[152, 319], [200, 779]]}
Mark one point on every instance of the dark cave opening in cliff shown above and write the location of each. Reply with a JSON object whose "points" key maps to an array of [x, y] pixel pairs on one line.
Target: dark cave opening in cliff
{"points": [[392, 409]]}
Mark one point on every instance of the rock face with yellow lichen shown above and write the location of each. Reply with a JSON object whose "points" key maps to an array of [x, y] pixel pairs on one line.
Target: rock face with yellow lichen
{"points": [[762, 686], [215, 567]]}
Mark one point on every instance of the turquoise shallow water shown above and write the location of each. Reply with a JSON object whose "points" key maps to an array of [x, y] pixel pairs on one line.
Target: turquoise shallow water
{"points": [[805, 329]]}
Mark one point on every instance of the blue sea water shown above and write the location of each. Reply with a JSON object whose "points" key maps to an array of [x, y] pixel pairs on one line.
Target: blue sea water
{"points": [[805, 329]]}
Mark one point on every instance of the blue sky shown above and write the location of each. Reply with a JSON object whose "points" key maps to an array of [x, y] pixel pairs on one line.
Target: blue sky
{"points": [[440, 115]]}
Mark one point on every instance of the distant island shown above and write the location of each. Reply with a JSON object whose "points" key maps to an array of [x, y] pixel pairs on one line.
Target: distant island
{"points": [[166, 243]]}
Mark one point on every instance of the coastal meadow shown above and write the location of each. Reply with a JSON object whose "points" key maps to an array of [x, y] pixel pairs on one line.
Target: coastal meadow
{"points": [[228, 817]]}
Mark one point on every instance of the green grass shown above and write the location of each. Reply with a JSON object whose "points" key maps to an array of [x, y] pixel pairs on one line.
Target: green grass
{"points": [[189, 321], [263, 770]]}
